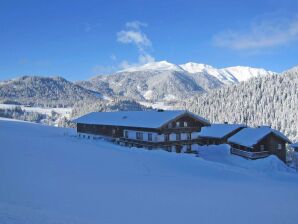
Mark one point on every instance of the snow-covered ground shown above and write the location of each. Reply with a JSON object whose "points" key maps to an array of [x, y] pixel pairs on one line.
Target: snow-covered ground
{"points": [[47, 175], [157, 105], [64, 112]]}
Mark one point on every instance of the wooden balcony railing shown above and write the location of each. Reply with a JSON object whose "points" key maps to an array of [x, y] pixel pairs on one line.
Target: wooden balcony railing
{"points": [[164, 143], [250, 155]]}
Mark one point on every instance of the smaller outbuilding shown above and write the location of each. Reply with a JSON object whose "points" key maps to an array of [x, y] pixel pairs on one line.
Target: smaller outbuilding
{"points": [[295, 147], [295, 155], [254, 143], [218, 133]]}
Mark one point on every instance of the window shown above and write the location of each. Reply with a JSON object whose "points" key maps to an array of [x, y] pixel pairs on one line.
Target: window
{"points": [[279, 147], [170, 125], [262, 147], [139, 135], [166, 137], [178, 136], [150, 137], [126, 134], [188, 148], [188, 136], [177, 124], [113, 131], [185, 124]]}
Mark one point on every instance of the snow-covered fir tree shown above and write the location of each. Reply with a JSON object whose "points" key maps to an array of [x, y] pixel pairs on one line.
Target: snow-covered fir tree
{"points": [[270, 100]]}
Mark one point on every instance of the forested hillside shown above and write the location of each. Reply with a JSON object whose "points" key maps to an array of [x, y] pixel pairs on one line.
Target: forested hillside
{"points": [[270, 100], [119, 104], [44, 91]]}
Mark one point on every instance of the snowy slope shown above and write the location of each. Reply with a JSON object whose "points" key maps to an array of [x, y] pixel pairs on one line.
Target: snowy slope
{"points": [[48, 176], [45, 91], [165, 81], [227, 75], [64, 112], [160, 65], [242, 73]]}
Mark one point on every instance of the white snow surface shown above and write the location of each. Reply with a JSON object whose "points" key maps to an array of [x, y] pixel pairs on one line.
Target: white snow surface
{"points": [[251, 136], [147, 119], [243, 73], [65, 112], [226, 75], [49, 176], [157, 105], [218, 130], [159, 65], [221, 154]]}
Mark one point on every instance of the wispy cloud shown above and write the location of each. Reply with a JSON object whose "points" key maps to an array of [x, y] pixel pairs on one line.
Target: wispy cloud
{"points": [[87, 27], [261, 34], [133, 34], [135, 24]]}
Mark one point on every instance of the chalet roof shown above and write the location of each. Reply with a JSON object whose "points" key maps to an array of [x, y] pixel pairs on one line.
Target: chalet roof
{"points": [[219, 130], [144, 119], [251, 136]]}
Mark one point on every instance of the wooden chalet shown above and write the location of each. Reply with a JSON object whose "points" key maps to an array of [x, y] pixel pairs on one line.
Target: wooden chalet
{"points": [[218, 133], [171, 130], [254, 143]]}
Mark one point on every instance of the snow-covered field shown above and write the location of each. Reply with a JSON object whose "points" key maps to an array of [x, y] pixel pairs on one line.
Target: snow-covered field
{"points": [[49, 176], [64, 112], [157, 105]]}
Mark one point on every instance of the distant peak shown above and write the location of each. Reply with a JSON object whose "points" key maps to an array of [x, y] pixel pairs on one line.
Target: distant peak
{"points": [[193, 67], [157, 65]]}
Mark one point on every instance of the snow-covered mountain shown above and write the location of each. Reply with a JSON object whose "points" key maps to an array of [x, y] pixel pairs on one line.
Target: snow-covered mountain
{"points": [[152, 82], [160, 66], [163, 81], [50, 91], [227, 75]]}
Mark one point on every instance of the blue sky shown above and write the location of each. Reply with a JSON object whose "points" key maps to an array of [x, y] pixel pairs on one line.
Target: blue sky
{"points": [[79, 39]]}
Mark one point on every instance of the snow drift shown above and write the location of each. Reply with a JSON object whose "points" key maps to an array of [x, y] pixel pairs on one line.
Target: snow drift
{"points": [[47, 175]]}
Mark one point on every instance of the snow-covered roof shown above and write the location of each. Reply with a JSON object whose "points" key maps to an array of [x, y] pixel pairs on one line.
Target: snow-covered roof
{"points": [[144, 119], [251, 136], [219, 130]]}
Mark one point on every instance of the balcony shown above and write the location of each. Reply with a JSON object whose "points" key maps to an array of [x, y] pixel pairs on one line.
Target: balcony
{"points": [[250, 155], [159, 143]]}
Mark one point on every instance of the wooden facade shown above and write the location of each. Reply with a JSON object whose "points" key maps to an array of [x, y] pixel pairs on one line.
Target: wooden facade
{"points": [[181, 131], [270, 145], [178, 134]]}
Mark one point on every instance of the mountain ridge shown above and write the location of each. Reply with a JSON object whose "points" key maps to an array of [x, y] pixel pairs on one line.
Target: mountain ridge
{"points": [[152, 82], [37, 90], [159, 81]]}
